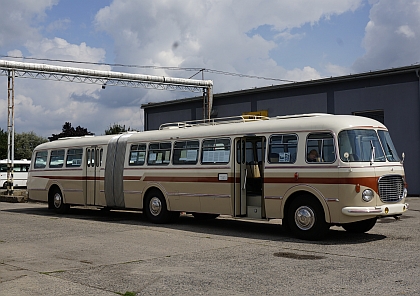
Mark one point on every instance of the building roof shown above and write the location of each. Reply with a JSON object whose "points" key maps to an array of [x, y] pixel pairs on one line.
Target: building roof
{"points": [[295, 85]]}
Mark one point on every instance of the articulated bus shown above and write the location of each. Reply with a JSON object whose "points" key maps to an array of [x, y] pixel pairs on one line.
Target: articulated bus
{"points": [[312, 171]]}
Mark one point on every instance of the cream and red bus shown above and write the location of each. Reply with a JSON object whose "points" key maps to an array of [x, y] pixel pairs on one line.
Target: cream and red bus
{"points": [[312, 171]]}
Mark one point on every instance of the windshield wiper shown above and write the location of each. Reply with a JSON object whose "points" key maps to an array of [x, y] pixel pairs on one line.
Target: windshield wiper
{"points": [[372, 154]]}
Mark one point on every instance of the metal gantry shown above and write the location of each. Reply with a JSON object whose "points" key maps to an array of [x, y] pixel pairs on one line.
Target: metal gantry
{"points": [[13, 69]]}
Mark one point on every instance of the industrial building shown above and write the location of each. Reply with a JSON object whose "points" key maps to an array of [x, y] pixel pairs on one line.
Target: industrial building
{"points": [[390, 96]]}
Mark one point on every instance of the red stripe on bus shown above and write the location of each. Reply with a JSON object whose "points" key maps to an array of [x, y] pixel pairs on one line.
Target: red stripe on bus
{"points": [[371, 182]]}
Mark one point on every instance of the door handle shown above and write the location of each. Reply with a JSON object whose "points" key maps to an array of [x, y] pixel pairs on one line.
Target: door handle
{"points": [[246, 175]]}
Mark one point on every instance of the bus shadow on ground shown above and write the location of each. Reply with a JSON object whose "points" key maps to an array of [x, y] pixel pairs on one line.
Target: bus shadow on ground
{"points": [[258, 229]]}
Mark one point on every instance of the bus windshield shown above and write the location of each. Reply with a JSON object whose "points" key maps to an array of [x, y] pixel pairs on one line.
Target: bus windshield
{"points": [[390, 151], [362, 145]]}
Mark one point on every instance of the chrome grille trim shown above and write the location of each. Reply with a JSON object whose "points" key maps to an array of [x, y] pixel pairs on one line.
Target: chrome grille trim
{"points": [[391, 188]]}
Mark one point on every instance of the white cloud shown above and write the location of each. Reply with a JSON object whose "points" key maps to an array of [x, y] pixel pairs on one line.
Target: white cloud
{"points": [[390, 39], [16, 19], [337, 70], [212, 34], [61, 24], [406, 31]]}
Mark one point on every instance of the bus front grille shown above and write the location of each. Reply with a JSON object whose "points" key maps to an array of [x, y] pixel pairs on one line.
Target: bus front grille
{"points": [[391, 188]]}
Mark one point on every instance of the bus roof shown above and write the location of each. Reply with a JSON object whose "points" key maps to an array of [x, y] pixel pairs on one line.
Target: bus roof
{"points": [[279, 124]]}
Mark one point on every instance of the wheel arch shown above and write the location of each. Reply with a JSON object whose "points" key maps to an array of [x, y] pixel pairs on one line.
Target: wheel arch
{"points": [[52, 188], [152, 188], [297, 191]]}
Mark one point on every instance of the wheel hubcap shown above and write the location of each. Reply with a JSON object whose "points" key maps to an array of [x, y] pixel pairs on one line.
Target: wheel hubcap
{"points": [[304, 218], [57, 200], [155, 206]]}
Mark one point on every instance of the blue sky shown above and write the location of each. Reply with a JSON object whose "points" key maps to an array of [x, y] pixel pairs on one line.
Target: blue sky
{"points": [[293, 40]]}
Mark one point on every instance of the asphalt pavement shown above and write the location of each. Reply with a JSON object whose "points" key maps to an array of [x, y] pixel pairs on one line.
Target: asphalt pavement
{"points": [[94, 252]]}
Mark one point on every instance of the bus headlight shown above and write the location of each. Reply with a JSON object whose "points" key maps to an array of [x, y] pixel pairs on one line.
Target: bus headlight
{"points": [[367, 195]]}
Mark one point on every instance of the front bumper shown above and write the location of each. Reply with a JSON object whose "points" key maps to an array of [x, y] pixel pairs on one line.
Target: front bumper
{"points": [[384, 210]]}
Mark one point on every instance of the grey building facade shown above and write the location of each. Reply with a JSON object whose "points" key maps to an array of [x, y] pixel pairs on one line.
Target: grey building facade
{"points": [[391, 96]]}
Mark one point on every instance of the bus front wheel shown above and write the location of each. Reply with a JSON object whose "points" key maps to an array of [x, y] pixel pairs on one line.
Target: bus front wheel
{"points": [[58, 202], [306, 219], [155, 208], [360, 226]]}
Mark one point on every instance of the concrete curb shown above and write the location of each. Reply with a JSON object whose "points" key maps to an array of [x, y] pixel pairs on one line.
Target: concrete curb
{"points": [[18, 196]]}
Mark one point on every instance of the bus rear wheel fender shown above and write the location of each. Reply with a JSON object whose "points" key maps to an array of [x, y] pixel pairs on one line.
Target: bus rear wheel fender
{"points": [[306, 218], [155, 207], [56, 200]]}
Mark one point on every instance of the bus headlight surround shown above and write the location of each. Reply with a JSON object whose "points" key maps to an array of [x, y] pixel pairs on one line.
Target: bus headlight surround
{"points": [[367, 195]]}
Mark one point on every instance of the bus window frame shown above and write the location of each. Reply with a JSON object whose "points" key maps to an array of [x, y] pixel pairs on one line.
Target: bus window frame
{"points": [[186, 148], [137, 163], [292, 159], [203, 147], [320, 148], [163, 160]]}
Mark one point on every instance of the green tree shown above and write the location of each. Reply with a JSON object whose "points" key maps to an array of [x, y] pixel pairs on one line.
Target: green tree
{"points": [[116, 129], [25, 143], [69, 131], [3, 144]]}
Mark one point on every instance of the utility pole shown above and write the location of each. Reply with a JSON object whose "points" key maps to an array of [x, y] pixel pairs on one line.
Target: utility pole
{"points": [[10, 129]]}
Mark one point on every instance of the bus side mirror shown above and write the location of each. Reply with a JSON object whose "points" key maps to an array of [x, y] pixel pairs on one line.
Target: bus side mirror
{"points": [[402, 157]]}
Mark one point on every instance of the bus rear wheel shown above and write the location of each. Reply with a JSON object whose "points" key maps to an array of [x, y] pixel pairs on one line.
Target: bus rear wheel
{"points": [[57, 202], [306, 219], [155, 208], [360, 226]]}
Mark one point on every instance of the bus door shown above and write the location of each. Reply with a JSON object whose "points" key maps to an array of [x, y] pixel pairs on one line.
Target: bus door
{"points": [[93, 167], [249, 177]]}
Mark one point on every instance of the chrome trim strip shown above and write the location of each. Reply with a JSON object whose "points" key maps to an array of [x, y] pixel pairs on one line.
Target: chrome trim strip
{"points": [[199, 194], [73, 190], [332, 199], [273, 197], [364, 211], [132, 192]]}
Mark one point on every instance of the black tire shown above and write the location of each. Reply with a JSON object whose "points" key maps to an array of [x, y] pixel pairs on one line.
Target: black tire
{"points": [[306, 218], [360, 226], [155, 208], [57, 202], [205, 216]]}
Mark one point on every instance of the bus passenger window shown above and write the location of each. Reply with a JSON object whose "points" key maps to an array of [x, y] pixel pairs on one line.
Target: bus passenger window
{"points": [[320, 148], [215, 151], [137, 154], [74, 157], [185, 152], [56, 159], [282, 148], [41, 159], [159, 154]]}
